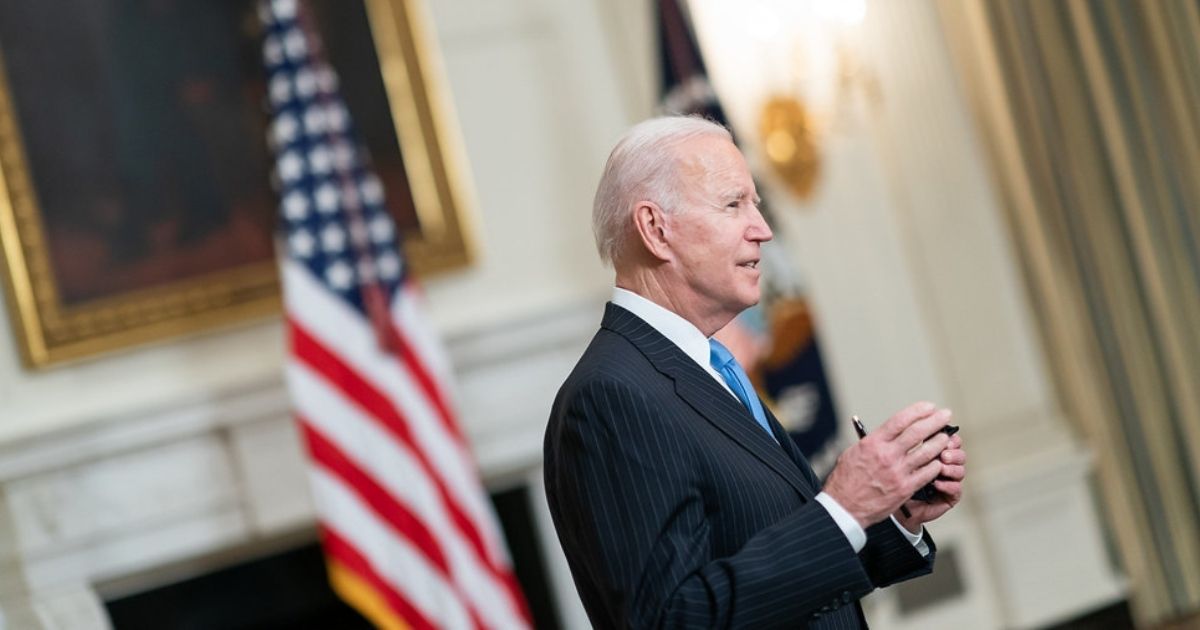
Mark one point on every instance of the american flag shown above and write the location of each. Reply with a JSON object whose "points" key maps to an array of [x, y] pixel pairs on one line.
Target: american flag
{"points": [[409, 534]]}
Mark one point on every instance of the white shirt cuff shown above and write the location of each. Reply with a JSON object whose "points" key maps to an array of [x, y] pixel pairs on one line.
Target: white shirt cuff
{"points": [[917, 539], [854, 532], [849, 526]]}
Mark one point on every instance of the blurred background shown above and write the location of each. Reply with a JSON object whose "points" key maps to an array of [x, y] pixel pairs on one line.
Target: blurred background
{"points": [[991, 204]]}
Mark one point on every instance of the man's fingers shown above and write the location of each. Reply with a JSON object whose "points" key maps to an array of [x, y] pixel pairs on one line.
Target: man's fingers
{"points": [[927, 451], [954, 455], [927, 473], [955, 441], [924, 428], [951, 472], [903, 418], [952, 489]]}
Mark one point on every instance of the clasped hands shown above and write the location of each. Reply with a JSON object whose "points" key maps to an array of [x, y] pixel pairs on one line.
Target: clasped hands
{"points": [[880, 473]]}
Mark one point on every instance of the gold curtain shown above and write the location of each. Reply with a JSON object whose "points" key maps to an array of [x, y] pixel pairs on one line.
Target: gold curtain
{"points": [[1091, 112]]}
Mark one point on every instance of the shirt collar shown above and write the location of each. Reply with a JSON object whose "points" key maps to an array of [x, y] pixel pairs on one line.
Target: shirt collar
{"points": [[680, 331]]}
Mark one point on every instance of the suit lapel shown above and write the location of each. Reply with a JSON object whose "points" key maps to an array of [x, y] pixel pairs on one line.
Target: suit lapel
{"points": [[793, 451], [705, 395]]}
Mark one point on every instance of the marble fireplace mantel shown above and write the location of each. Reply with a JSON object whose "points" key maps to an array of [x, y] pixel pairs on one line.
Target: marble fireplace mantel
{"points": [[131, 502]]}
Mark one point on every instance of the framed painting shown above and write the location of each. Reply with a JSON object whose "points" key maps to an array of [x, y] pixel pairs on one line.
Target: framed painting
{"points": [[135, 188]]}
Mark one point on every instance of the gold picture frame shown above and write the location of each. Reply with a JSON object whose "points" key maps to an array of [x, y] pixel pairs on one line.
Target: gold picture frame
{"points": [[63, 309]]}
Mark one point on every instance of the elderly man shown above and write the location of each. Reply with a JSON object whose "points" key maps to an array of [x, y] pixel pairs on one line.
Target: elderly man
{"points": [[678, 498]]}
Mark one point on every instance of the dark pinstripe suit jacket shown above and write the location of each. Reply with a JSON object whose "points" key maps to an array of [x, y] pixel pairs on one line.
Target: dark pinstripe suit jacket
{"points": [[676, 510]]}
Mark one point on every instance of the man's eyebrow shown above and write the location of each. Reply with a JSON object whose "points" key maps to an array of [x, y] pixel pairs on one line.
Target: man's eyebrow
{"points": [[738, 195]]}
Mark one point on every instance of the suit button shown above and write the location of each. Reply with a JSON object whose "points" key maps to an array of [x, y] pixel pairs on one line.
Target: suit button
{"points": [[845, 597]]}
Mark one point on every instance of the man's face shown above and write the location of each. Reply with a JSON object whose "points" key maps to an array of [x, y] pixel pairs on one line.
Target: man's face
{"points": [[716, 235]]}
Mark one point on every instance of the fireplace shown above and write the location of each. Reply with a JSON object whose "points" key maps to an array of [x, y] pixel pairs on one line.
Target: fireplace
{"points": [[288, 589], [202, 505]]}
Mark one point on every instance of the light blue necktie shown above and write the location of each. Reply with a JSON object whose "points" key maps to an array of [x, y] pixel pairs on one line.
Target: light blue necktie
{"points": [[735, 377]]}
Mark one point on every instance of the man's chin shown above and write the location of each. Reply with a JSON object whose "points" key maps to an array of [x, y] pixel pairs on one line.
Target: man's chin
{"points": [[750, 300], [753, 297]]}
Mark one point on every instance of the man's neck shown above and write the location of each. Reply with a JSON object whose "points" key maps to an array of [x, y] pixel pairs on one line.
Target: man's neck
{"points": [[651, 287]]}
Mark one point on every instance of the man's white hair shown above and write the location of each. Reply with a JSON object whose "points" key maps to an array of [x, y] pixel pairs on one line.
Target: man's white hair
{"points": [[644, 166]]}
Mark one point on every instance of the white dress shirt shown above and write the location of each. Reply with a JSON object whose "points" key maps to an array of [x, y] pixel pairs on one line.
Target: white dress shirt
{"points": [[684, 334]]}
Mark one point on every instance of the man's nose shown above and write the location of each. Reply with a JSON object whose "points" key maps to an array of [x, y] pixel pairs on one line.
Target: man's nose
{"points": [[759, 230]]}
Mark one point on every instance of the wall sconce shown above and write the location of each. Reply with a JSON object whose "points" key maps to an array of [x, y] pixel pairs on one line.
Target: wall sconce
{"points": [[783, 70], [789, 143]]}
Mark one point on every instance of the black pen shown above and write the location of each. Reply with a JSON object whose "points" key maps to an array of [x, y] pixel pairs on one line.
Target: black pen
{"points": [[862, 433]]}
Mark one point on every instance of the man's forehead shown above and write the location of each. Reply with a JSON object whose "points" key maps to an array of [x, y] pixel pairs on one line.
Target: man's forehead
{"points": [[714, 159]]}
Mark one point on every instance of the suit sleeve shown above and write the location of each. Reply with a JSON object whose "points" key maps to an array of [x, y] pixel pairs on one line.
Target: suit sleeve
{"points": [[888, 557], [630, 512]]}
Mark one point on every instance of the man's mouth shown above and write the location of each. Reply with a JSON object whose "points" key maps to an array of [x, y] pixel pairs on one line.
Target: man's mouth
{"points": [[752, 264]]}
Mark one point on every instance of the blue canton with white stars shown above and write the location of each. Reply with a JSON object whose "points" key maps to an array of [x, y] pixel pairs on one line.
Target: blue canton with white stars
{"points": [[332, 204]]}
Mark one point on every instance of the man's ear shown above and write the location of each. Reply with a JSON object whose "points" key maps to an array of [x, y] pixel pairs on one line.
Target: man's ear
{"points": [[650, 222]]}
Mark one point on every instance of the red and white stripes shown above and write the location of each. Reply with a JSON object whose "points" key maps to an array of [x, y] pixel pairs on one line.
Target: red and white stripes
{"points": [[396, 488]]}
